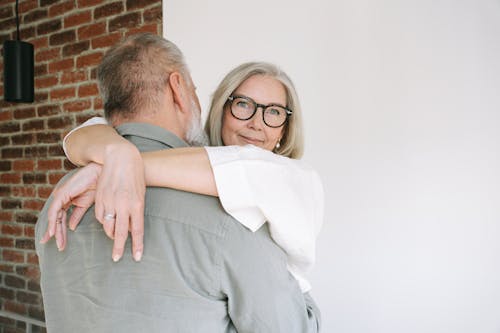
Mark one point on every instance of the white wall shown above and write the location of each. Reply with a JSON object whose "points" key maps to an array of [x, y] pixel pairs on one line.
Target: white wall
{"points": [[402, 108]]}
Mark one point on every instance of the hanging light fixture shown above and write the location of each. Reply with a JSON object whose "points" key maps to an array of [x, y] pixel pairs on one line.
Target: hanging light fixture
{"points": [[18, 71]]}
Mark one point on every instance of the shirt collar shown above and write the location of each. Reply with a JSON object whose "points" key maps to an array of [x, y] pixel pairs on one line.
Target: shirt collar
{"points": [[151, 132]]}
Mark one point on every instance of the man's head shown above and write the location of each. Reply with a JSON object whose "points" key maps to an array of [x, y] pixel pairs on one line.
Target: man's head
{"points": [[145, 78]]}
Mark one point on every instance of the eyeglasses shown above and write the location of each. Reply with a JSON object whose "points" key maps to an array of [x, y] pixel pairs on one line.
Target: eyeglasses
{"points": [[244, 108]]}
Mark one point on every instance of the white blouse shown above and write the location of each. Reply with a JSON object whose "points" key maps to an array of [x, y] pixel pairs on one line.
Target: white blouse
{"points": [[256, 186]]}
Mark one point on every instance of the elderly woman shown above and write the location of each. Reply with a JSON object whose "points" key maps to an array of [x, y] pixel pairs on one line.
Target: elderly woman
{"points": [[255, 129]]}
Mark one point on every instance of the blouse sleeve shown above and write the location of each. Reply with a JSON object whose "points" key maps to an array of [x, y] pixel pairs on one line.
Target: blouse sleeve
{"points": [[89, 122], [256, 186]]}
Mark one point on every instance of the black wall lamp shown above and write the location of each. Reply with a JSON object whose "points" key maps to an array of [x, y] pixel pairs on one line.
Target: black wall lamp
{"points": [[18, 68]]}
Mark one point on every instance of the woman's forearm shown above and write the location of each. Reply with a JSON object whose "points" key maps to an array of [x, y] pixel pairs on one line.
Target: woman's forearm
{"points": [[93, 143], [186, 169]]}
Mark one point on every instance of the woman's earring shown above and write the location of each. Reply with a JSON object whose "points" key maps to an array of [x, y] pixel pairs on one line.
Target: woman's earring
{"points": [[278, 144]]}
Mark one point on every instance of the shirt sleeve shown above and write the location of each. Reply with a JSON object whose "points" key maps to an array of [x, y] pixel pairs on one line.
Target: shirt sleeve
{"points": [[89, 122], [256, 186]]}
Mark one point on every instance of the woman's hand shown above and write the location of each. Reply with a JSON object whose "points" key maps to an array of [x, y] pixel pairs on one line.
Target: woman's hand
{"points": [[79, 190], [120, 198]]}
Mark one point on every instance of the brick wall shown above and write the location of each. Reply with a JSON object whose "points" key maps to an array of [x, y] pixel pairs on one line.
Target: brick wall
{"points": [[70, 38]]}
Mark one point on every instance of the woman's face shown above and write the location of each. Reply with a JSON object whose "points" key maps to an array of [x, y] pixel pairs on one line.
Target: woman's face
{"points": [[263, 90]]}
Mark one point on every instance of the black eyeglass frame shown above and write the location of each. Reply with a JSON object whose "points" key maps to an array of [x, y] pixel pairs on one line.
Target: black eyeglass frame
{"points": [[257, 105]]}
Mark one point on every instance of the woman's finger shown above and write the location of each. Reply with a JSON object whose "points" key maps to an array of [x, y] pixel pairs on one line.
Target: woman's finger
{"points": [[121, 234]]}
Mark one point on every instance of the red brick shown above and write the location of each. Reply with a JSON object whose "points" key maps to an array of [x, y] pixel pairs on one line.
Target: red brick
{"points": [[5, 216], [26, 6], [91, 30], [63, 93], [10, 178], [59, 122], [152, 28], [5, 115], [129, 20], [13, 230], [35, 15], [23, 191], [106, 41], [26, 218], [88, 90], [26, 33], [11, 204], [12, 255], [48, 110], [77, 19], [6, 242], [12, 152], [33, 125], [44, 82], [73, 77], [32, 258], [26, 244], [61, 8], [23, 165], [49, 164], [22, 139], [89, 59], [7, 24], [77, 106], [40, 70], [33, 204], [29, 231], [108, 10], [61, 65], [24, 113], [54, 178], [44, 192], [15, 307], [153, 15], [37, 150], [61, 38], [6, 293], [98, 103], [41, 97], [88, 3], [50, 54], [44, 3], [75, 48], [56, 150], [48, 138], [6, 12], [48, 27], [135, 4], [9, 127], [5, 166], [40, 43], [27, 298], [34, 178]]}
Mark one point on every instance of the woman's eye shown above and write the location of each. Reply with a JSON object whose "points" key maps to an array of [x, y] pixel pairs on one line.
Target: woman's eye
{"points": [[242, 104]]}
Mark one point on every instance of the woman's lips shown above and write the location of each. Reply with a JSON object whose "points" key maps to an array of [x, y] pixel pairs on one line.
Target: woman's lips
{"points": [[251, 140]]}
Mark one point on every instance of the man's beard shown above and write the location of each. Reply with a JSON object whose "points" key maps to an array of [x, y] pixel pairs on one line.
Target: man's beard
{"points": [[196, 135]]}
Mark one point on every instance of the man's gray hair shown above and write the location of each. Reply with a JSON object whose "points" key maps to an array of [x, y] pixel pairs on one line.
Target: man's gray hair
{"points": [[133, 74]]}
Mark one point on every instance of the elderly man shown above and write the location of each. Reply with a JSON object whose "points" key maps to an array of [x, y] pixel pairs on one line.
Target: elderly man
{"points": [[203, 271]]}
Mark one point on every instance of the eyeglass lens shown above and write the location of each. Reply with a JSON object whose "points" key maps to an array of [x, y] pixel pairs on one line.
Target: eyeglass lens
{"points": [[244, 108]]}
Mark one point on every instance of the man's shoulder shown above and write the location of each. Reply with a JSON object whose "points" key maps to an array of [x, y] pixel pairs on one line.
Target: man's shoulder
{"points": [[201, 212]]}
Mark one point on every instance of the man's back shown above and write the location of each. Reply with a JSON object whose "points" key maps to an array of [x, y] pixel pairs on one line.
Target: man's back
{"points": [[201, 271]]}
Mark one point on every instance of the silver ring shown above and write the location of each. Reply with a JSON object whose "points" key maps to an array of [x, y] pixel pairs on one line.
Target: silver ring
{"points": [[109, 217], [58, 221]]}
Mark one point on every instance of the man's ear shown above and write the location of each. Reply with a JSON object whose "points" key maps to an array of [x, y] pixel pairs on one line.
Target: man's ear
{"points": [[179, 91]]}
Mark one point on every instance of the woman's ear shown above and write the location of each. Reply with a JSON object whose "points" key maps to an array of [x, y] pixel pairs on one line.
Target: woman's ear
{"points": [[179, 91]]}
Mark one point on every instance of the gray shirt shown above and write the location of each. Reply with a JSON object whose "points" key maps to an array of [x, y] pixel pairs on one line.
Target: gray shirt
{"points": [[201, 271]]}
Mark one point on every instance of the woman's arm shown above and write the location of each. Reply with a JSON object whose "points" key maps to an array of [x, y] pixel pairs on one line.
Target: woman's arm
{"points": [[186, 169]]}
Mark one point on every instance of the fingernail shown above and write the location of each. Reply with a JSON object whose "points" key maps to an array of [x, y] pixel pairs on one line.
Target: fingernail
{"points": [[58, 243], [138, 256], [116, 257]]}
